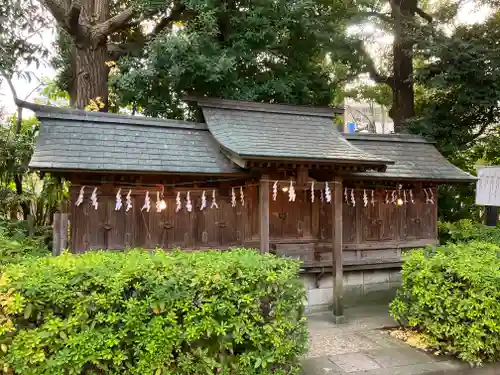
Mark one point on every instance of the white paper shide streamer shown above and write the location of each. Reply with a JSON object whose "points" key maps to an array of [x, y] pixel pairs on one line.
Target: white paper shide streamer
{"points": [[147, 202], [328, 193], [203, 201], [93, 199], [345, 196], [429, 196], [291, 192], [242, 197], [119, 204], [411, 197], [312, 191], [158, 203], [365, 198], [178, 203], [353, 198], [233, 198], [373, 198], [189, 205], [128, 201], [275, 190], [214, 203], [79, 201]]}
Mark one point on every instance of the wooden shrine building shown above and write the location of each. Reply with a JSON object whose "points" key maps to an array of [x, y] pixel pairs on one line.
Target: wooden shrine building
{"points": [[275, 177]]}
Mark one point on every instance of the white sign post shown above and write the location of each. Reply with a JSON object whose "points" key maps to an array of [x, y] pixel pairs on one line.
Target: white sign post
{"points": [[488, 192]]}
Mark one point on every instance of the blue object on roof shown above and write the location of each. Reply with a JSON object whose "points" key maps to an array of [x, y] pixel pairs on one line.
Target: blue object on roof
{"points": [[351, 127]]}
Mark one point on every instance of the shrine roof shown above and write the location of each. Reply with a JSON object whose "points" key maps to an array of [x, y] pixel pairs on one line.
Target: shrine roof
{"points": [[72, 140], [264, 131], [415, 158]]}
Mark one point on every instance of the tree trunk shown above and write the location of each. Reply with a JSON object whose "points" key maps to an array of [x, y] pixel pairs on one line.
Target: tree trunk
{"points": [[90, 55], [402, 86], [92, 76]]}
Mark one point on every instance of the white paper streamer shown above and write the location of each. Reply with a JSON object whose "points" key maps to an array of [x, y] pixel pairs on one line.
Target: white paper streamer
{"points": [[386, 197], [312, 191], [214, 203], [158, 204], [128, 201], [93, 199], [411, 197], [321, 195], [203, 201], [393, 197], [345, 196], [119, 204], [353, 198], [405, 200], [147, 202], [178, 203], [328, 193], [233, 198], [275, 190], [189, 205], [242, 197], [291, 193], [79, 201], [429, 196], [365, 198], [373, 198]]}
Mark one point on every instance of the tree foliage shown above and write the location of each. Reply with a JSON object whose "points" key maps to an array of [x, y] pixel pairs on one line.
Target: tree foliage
{"points": [[272, 51]]}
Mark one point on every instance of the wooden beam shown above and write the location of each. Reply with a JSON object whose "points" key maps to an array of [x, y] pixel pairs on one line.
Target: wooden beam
{"points": [[264, 213], [337, 266]]}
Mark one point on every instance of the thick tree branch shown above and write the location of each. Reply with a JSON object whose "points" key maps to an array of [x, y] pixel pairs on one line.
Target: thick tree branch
{"points": [[58, 12], [74, 17], [114, 24], [423, 14]]}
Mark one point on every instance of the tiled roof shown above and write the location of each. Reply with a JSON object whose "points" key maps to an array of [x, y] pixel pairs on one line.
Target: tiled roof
{"points": [[79, 140], [415, 158], [257, 130]]}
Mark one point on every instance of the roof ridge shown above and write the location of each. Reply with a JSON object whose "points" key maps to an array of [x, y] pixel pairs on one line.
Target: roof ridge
{"points": [[244, 105], [46, 111], [392, 137]]}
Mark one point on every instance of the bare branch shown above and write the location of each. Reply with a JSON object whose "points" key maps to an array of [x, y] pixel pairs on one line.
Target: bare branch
{"points": [[423, 14], [19, 117], [382, 16], [175, 15], [73, 17], [114, 24], [372, 70]]}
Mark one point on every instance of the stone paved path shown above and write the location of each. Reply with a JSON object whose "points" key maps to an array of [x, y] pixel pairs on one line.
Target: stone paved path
{"points": [[359, 347]]}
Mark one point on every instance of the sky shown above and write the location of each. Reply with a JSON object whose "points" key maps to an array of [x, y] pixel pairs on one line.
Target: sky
{"points": [[468, 14]]}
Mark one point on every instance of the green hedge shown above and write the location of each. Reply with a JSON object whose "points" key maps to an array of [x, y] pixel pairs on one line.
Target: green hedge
{"points": [[452, 294], [155, 313], [467, 230]]}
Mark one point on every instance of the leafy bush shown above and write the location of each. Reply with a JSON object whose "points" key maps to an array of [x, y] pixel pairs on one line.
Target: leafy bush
{"points": [[16, 245], [155, 313], [452, 294], [467, 230]]}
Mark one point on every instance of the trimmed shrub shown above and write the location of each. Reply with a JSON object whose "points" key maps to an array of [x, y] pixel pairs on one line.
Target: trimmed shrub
{"points": [[467, 230], [452, 294], [137, 312]]}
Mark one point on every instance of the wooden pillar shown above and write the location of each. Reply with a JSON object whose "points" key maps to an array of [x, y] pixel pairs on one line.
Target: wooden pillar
{"points": [[264, 213], [59, 233], [338, 273]]}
